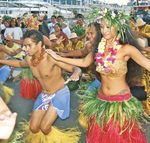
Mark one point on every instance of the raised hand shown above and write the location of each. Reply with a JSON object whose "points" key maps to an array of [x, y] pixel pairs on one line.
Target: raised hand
{"points": [[75, 76], [61, 39], [53, 54]]}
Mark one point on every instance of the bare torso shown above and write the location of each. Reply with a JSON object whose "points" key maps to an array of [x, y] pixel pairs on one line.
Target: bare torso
{"points": [[115, 85], [48, 74]]}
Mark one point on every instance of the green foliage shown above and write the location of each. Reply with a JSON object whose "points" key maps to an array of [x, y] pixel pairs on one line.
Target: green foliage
{"points": [[82, 88], [6, 18], [73, 85], [27, 73], [119, 20], [80, 31], [92, 14]]}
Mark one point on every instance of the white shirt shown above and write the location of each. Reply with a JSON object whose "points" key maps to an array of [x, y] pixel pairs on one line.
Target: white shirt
{"points": [[16, 32], [51, 27], [67, 31]]}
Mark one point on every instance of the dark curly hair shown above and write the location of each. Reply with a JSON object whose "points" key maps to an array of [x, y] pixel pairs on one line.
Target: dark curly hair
{"points": [[35, 35]]}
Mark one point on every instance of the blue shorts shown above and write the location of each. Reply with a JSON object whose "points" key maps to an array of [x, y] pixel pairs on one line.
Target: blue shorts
{"points": [[59, 100], [4, 73]]}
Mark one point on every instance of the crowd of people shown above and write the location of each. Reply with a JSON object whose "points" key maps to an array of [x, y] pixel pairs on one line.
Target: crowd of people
{"points": [[112, 47]]}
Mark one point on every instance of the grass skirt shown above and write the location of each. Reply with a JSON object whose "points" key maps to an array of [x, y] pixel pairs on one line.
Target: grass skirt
{"points": [[24, 135], [112, 119], [6, 93], [30, 87]]}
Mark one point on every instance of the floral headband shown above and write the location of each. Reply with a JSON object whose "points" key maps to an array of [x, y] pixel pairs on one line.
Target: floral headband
{"points": [[118, 19]]}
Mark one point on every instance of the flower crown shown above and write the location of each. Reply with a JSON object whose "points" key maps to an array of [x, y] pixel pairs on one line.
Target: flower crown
{"points": [[116, 18]]}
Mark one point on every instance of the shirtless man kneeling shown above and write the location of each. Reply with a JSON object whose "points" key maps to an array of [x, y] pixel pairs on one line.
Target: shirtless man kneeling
{"points": [[55, 98]]}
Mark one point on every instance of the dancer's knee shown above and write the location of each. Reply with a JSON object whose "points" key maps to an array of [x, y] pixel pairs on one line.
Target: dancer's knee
{"points": [[34, 128], [45, 129]]}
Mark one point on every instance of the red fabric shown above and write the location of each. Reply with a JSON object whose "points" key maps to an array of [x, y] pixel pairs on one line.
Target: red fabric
{"points": [[110, 133], [118, 98], [30, 89]]}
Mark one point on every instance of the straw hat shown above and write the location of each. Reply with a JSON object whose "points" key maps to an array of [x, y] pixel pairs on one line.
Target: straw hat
{"points": [[53, 37], [140, 22], [73, 35]]}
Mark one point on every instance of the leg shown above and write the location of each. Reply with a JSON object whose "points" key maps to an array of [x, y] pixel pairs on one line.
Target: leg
{"points": [[36, 119], [48, 119]]}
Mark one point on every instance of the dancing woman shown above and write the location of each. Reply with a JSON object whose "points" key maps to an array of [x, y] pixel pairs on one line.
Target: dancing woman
{"points": [[113, 114]]}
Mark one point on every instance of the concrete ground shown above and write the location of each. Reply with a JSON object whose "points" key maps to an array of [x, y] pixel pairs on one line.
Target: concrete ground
{"points": [[23, 107]]}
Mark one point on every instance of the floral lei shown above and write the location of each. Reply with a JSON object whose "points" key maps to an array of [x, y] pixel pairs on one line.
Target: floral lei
{"points": [[103, 61]]}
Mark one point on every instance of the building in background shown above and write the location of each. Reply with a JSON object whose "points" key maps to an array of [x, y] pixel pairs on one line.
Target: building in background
{"points": [[66, 7]]}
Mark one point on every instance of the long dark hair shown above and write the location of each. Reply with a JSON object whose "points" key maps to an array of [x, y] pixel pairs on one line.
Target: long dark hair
{"points": [[135, 71], [97, 40], [98, 35]]}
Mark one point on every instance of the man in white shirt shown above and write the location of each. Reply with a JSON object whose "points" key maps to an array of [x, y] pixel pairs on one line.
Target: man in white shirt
{"points": [[65, 27], [51, 24]]}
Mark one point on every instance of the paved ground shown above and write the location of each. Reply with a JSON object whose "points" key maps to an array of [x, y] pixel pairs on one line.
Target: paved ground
{"points": [[23, 107]]}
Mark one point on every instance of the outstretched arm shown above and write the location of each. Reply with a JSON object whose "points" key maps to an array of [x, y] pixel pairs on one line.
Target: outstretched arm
{"points": [[79, 53], [138, 57], [76, 71], [75, 53], [8, 51], [147, 49], [14, 63], [83, 62]]}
